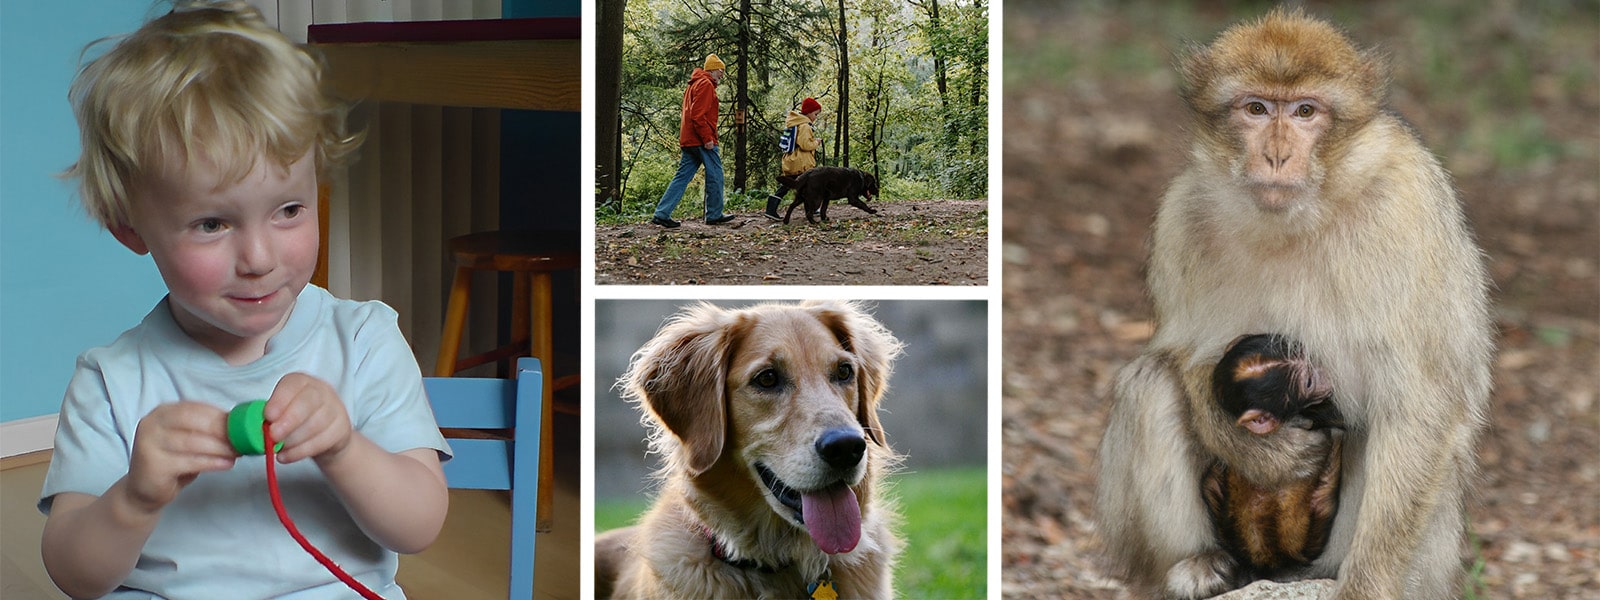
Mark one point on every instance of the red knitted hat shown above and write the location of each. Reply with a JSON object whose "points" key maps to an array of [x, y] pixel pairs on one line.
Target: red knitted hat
{"points": [[809, 106]]}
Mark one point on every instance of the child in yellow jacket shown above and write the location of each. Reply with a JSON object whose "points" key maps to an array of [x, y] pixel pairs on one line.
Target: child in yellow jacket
{"points": [[799, 145]]}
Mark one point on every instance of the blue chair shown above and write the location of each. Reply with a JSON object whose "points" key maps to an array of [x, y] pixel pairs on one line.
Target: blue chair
{"points": [[495, 463]]}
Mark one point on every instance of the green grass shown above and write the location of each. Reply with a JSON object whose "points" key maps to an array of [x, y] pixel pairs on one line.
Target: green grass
{"points": [[611, 514], [944, 522], [1475, 587]]}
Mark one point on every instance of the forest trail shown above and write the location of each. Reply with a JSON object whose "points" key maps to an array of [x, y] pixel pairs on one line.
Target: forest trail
{"points": [[909, 242]]}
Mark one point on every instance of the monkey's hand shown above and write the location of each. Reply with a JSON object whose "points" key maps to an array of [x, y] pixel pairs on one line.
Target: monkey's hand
{"points": [[1201, 576]]}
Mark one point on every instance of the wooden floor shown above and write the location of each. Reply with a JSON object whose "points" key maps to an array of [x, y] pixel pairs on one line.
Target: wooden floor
{"points": [[468, 562]]}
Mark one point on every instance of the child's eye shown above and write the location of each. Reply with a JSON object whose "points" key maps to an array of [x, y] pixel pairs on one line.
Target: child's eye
{"points": [[210, 226], [293, 210]]}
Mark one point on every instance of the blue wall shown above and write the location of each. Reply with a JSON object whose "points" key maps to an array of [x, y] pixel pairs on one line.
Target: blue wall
{"points": [[65, 284]]}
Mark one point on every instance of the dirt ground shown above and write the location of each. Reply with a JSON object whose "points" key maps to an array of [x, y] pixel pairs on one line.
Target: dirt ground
{"points": [[909, 242], [1085, 163]]}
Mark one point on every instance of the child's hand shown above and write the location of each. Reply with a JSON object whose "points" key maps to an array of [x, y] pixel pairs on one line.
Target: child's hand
{"points": [[309, 418], [171, 446]]}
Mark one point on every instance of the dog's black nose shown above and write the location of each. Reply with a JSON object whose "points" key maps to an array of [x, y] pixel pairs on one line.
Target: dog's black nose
{"points": [[841, 448]]}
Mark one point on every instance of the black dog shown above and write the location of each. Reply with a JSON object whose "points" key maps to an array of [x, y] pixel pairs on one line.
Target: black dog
{"points": [[816, 187]]}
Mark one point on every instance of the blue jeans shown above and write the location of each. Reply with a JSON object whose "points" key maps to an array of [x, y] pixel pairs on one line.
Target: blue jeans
{"points": [[693, 158]]}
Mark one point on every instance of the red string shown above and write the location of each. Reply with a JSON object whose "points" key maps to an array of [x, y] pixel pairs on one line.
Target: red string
{"points": [[283, 517]]}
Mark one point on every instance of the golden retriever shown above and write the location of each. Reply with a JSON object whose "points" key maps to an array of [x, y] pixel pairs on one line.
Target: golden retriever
{"points": [[767, 424]]}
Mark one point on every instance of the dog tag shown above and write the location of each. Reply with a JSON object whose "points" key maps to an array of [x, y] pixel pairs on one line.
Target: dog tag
{"points": [[822, 589]]}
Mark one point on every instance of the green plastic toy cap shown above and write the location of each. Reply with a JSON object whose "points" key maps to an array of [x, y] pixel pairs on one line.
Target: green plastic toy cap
{"points": [[244, 428]]}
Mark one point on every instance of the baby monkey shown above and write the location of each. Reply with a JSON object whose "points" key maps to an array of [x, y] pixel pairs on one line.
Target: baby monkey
{"points": [[1273, 529]]}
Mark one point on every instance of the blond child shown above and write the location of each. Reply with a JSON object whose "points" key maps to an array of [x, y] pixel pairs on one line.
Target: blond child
{"points": [[204, 134]]}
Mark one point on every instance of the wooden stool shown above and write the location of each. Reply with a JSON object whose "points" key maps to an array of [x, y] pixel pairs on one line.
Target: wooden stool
{"points": [[532, 257]]}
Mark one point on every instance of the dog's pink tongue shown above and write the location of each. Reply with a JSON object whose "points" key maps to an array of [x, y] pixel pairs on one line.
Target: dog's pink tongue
{"points": [[833, 518]]}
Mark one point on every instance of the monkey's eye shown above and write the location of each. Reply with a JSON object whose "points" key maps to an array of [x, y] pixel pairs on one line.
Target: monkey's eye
{"points": [[1256, 108], [767, 379], [843, 372], [1305, 111]]}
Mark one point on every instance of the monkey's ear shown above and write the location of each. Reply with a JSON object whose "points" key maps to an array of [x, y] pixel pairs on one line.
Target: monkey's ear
{"points": [[1193, 64], [1372, 73], [1258, 421]]}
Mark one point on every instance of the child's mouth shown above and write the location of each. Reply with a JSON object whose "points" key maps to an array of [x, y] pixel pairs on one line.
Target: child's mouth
{"points": [[254, 299]]}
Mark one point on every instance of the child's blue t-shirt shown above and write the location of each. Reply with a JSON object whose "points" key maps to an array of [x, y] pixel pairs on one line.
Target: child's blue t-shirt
{"points": [[220, 538]]}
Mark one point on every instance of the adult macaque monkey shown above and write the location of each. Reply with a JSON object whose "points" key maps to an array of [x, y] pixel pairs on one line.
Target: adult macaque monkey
{"points": [[1310, 211]]}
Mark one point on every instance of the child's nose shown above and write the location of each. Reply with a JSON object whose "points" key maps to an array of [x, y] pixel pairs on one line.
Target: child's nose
{"points": [[257, 255]]}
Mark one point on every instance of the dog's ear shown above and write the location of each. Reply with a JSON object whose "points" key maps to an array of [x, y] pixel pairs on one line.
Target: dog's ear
{"points": [[680, 376], [874, 347]]}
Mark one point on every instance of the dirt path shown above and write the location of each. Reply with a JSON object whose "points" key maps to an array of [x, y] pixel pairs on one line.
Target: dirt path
{"points": [[912, 242]]}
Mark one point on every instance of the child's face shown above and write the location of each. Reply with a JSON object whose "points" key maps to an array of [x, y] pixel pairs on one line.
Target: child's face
{"points": [[234, 256]]}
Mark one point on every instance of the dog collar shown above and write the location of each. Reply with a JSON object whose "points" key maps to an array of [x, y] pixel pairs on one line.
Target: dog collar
{"points": [[721, 552], [821, 589]]}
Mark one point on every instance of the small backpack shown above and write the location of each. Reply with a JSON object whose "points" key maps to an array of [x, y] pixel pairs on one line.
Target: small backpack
{"points": [[786, 143]]}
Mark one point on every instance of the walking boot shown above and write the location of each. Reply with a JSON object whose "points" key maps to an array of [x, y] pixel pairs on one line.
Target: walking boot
{"points": [[772, 207]]}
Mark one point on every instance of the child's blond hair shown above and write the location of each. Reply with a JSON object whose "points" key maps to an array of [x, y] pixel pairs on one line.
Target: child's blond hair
{"points": [[209, 82]]}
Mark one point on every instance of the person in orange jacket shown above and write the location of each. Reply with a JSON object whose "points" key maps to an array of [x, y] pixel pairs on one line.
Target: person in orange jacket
{"points": [[799, 145], [697, 138]]}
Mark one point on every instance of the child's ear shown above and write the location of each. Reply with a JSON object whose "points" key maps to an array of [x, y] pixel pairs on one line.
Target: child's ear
{"points": [[131, 239]]}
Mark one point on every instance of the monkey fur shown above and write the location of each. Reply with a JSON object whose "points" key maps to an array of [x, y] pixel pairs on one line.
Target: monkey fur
{"points": [[1310, 210], [1266, 383]]}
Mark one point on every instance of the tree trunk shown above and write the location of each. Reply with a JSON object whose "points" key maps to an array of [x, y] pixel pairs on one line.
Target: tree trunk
{"points": [[876, 119], [980, 91], [764, 47], [608, 104], [842, 128], [940, 72], [742, 98]]}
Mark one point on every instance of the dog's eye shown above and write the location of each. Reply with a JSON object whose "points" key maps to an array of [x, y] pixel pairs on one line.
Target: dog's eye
{"points": [[844, 372], [766, 379]]}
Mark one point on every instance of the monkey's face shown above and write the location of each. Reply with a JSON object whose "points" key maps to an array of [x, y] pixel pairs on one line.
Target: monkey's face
{"points": [[1279, 136], [1276, 100], [1264, 381]]}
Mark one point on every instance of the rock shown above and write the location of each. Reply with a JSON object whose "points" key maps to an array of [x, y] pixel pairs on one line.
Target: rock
{"points": [[1314, 589], [1015, 254], [1524, 583], [1539, 431], [1557, 552], [1520, 552]]}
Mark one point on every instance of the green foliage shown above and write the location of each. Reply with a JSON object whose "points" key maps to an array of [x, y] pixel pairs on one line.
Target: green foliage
{"points": [[1479, 81], [900, 126], [893, 189], [1553, 335], [943, 521]]}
